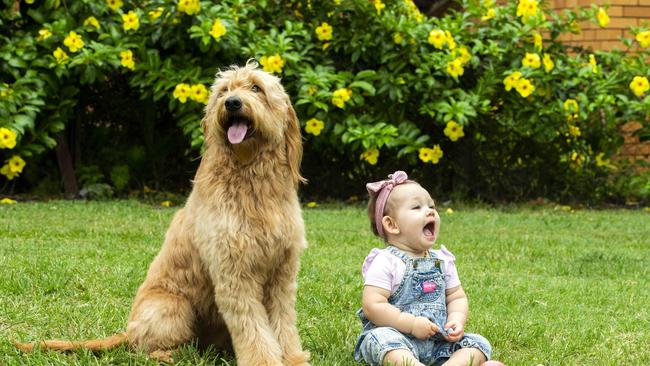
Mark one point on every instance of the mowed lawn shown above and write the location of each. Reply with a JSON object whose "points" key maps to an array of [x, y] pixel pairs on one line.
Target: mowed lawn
{"points": [[546, 286]]}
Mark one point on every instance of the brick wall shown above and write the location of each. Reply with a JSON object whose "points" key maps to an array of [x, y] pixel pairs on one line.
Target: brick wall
{"points": [[622, 15]]}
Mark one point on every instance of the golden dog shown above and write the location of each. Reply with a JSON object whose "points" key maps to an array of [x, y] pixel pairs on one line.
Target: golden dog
{"points": [[226, 274]]}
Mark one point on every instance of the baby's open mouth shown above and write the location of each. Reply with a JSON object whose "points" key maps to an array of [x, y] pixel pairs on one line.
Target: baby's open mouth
{"points": [[429, 230]]}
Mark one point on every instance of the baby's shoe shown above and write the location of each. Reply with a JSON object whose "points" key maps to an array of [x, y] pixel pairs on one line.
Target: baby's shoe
{"points": [[493, 363]]}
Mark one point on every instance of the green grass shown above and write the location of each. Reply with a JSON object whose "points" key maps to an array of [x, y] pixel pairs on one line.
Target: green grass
{"points": [[545, 286]]}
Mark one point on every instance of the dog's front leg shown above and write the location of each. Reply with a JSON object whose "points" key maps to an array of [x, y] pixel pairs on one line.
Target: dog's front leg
{"points": [[280, 303], [239, 299]]}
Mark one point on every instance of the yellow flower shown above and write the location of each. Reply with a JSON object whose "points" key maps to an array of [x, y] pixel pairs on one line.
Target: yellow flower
{"points": [[130, 21], [189, 6], [340, 96], [437, 38], [166, 203], [593, 63], [577, 159], [91, 21], [603, 18], [312, 204], [30, 1], [532, 60], [155, 14], [114, 4], [454, 131], [548, 63], [537, 41], [455, 68], [488, 15], [73, 41], [425, 154], [127, 59], [511, 80], [640, 85], [574, 131], [436, 154], [218, 29], [60, 55], [449, 211], [451, 43], [370, 156], [5, 90], [324, 32], [643, 38], [44, 34], [199, 93], [16, 164], [398, 37], [524, 87], [273, 63], [7, 138], [600, 161], [379, 6], [7, 201], [526, 8], [462, 53], [182, 92], [571, 106], [7, 172], [314, 126]]}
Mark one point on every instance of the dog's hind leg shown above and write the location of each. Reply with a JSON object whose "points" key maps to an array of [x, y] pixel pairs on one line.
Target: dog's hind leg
{"points": [[160, 321]]}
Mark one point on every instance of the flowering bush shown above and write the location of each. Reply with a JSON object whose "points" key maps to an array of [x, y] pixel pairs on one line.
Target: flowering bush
{"points": [[487, 97]]}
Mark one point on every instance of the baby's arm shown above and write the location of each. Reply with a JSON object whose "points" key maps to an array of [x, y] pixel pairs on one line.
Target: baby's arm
{"points": [[457, 309], [379, 311]]}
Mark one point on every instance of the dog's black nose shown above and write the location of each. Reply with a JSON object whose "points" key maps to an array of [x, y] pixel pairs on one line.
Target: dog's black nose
{"points": [[233, 104]]}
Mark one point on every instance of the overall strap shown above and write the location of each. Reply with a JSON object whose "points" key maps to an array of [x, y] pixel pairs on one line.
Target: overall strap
{"points": [[399, 254]]}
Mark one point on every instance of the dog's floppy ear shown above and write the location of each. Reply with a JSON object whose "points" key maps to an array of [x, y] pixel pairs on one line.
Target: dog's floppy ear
{"points": [[294, 144]]}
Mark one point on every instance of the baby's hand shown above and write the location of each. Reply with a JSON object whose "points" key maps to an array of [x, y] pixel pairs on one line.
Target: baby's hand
{"points": [[423, 328], [456, 331]]}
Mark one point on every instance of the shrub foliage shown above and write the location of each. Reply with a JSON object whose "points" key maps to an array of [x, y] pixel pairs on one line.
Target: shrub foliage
{"points": [[485, 101]]}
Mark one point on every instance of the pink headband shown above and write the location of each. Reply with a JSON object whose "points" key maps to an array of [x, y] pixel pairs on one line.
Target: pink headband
{"points": [[382, 189]]}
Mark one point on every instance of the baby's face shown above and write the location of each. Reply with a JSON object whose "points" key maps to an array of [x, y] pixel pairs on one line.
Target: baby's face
{"points": [[414, 211]]}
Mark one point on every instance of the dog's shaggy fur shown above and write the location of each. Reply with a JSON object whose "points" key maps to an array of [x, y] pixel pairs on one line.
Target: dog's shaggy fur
{"points": [[226, 274]]}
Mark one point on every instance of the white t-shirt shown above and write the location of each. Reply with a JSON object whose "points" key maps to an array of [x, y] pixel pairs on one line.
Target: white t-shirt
{"points": [[383, 269]]}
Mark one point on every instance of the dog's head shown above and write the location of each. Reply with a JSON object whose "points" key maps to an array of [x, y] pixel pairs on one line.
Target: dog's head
{"points": [[249, 110]]}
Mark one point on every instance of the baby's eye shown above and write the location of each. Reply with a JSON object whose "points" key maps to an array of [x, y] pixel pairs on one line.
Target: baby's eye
{"points": [[415, 207]]}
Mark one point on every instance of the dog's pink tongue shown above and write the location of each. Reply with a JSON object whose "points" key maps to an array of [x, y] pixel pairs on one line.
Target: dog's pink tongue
{"points": [[237, 132]]}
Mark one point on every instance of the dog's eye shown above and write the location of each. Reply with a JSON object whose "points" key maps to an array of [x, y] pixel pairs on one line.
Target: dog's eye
{"points": [[256, 89]]}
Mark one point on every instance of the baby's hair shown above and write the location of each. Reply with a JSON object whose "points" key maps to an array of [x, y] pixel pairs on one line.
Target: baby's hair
{"points": [[372, 204]]}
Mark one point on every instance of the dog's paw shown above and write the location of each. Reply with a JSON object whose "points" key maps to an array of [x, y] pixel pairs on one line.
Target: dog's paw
{"points": [[298, 359], [162, 356]]}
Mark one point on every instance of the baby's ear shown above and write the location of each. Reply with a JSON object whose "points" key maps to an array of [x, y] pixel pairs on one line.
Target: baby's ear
{"points": [[390, 225]]}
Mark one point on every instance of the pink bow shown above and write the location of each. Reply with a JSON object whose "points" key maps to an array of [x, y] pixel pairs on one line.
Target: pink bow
{"points": [[382, 189]]}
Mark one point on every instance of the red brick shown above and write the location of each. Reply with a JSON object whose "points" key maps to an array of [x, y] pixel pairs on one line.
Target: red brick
{"points": [[637, 11], [615, 11], [607, 34], [623, 2], [622, 22], [610, 45], [630, 127]]}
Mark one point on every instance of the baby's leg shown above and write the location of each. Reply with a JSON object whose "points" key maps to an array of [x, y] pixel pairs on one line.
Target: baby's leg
{"points": [[464, 355], [401, 357]]}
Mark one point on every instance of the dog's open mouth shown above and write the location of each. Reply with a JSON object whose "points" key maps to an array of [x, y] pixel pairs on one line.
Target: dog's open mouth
{"points": [[239, 128]]}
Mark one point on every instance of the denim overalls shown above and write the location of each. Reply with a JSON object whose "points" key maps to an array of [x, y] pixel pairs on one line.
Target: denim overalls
{"points": [[421, 293]]}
